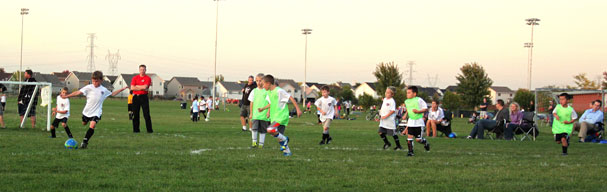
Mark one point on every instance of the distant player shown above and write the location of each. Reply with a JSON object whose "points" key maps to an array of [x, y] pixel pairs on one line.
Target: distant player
{"points": [[279, 112], [130, 104], [327, 106], [260, 119], [387, 122], [195, 109], [95, 95], [416, 107], [564, 117], [202, 104], [62, 112]]}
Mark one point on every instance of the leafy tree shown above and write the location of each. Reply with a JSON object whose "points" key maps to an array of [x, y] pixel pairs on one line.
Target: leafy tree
{"points": [[473, 84], [582, 82], [604, 80], [451, 101], [388, 74], [524, 97], [366, 101], [347, 94]]}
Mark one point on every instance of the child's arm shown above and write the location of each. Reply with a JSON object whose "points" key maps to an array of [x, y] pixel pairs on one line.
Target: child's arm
{"points": [[251, 110], [75, 93], [264, 108], [296, 107], [387, 115], [336, 112], [118, 91]]}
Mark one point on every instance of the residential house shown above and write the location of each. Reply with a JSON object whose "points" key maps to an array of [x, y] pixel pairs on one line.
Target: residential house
{"points": [[230, 90], [123, 80], [183, 88], [500, 92], [76, 80], [368, 88], [57, 85], [291, 87]]}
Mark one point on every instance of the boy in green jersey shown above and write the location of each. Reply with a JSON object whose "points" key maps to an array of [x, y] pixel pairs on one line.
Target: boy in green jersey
{"points": [[259, 118], [416, 107], [279, 112], [564, 117]]}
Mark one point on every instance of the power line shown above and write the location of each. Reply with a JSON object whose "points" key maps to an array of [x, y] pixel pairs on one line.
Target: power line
{"points": [[113, 59]]}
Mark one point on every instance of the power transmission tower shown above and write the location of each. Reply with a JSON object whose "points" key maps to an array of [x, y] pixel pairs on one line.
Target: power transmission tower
{"points": [[410, 71], [113, 60], [432, 81], [91, 65]]}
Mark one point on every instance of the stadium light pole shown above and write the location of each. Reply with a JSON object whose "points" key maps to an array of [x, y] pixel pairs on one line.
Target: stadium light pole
{"points": [[305, 32], [215, 59], [532, 22], [24, 11]]}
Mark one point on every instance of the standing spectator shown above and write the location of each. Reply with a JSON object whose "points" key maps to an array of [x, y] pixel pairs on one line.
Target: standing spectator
{"points": [[140, 85], [484, 107], [339, 103], [550, 109], [245, 103], [3, 97], [2, 89], [531, 106], [25, 95], [516, 118]]}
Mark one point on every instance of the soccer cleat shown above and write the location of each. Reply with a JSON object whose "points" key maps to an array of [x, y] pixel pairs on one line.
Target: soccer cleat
{"points": [[329, 140], [427, 146], [260, 146], [398, 147], [254, 145], [83, 145], [287, 154], [322, 142], [387, 145], [564, 154], [410, 154], [469, 137]]}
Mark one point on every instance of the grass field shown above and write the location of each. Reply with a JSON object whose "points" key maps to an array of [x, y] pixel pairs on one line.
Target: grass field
{"points": [[214, 156]]}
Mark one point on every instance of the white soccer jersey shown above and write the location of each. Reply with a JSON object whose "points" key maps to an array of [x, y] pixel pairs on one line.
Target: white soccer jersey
{"points": [[202, 104], [283, 98], [3, 98], [387, 106], [63, 105], [209, 104], [327, 105], [436, 115], [94, 100]]}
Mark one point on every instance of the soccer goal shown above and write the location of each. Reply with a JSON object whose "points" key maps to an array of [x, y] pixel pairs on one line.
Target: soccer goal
{"points": [[43, 97]]}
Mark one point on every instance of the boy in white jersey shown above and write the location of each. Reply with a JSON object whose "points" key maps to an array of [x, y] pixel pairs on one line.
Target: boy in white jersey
{"points": [[203, 107], [63, 113], [387, 122], [327, 106], [95, 95], [416, 107]]}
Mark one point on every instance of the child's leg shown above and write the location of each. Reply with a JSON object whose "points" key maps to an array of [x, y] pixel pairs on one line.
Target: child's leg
{"points": [[433, 124], [53, 135], [90, 132], [254, 130], [397, 141], [428, 124], [564, 143], [410, 143], [67, 130], [382, 135]]}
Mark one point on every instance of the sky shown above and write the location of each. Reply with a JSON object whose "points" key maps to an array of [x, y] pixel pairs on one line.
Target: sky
{"points": [[349, 38]]}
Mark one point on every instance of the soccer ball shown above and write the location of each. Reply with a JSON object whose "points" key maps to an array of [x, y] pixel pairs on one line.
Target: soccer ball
{"points": [[452, 135], [71, 144]]}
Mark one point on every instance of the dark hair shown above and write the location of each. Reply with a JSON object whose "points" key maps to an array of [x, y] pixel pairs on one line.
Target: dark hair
{"points": [[251, 77], [567, 96], [98, 75], [413, 89], [29, 71], [131, 92], [598, 101], [142, 65], [436, 101], [268, 79], [500, 102], [324, 88], [202, 97], [64, 89]]}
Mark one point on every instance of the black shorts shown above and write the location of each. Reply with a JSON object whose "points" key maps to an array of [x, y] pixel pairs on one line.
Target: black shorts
{"points": [[389, 132], [261, 126], [415, 131], [244, 110], [22, 108], [57, 121], [86, 119], [558, 137]]}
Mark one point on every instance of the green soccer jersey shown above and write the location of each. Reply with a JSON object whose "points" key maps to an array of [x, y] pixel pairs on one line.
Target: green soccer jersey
{"points": [[411, 104], [565, 114], [258, 97], [279, 109]]}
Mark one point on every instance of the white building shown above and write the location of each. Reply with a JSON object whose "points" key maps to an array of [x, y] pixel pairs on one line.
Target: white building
{"points": [[503, 93], [366, 87]]}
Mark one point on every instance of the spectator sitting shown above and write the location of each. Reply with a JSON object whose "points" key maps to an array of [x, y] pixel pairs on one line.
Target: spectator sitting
{"points": [[435, 117], [589, 119], [516, 118], [490, 124]]}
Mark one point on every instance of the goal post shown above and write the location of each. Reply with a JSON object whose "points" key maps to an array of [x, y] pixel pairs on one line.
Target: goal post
{"points": [[44, 89]]}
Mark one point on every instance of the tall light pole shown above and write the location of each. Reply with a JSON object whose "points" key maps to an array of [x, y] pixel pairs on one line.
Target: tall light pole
{"points": [[24, 11], [532, 22], [215, 60], [305, 32]]}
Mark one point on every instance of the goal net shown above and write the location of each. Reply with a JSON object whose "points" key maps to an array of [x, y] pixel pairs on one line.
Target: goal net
{"points": [[37, 102]]}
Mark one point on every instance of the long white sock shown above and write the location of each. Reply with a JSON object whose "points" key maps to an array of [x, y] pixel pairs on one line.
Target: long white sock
{"points": [[254, 136], [288, 150], [281, 137], [244, 127], [262, 138]]}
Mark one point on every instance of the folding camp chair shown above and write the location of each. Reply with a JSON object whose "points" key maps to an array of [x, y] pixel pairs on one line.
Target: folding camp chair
{"points": [[596, 133], [445, 127], [528, 127], [498, 130]]}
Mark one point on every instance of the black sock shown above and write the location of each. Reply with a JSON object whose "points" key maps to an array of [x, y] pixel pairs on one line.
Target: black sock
{"points": [[324, 137], [69, 133], [396, 140], [53, 133], [410, 145], [88, 135], [564, 149], [383, 137], [423, 141]]}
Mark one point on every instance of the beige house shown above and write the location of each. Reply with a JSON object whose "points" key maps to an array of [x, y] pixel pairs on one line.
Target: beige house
{"points": [[184, 87], [499, 92], [366, 87], [76, 80]]}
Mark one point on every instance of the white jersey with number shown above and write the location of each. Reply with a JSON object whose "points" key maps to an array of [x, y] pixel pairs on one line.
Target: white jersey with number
{"points": [[387, 106], [63, 105], [327, 105], [94, 100]]}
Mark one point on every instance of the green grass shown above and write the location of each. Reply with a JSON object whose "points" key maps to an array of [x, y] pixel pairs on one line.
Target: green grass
{"points": [[210, 156]]}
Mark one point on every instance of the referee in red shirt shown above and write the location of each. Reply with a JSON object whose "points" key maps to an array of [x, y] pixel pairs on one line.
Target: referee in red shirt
{"points": [[139, 85]]}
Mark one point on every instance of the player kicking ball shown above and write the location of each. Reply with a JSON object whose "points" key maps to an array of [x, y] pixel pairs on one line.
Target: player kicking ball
{"points": [[95, 95], [278, 100]]}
